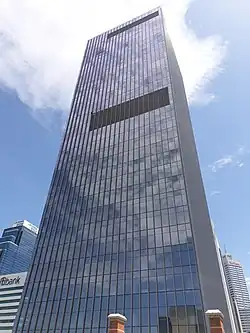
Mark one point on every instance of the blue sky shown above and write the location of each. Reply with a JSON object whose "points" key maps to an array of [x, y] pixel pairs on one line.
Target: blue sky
{"points": [[37, 80]]}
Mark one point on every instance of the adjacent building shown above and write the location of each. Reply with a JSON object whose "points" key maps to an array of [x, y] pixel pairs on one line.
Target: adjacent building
{"points": [[126, 226], [235, 323], [11, 287], [238, 290], [16, 247]]}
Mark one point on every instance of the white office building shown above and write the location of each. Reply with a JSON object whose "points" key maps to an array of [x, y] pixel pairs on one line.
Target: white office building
{"points": [[11, 287], [238, 290], [233, 317]]}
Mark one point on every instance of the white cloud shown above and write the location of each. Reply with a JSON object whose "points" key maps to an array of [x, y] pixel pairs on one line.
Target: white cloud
{"points": [[42, 43], [222, 162], [213, 193], [235, 160]]}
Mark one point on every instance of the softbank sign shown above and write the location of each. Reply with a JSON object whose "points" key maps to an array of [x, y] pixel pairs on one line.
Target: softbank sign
{"points": [[12, 280], [4, 281]]}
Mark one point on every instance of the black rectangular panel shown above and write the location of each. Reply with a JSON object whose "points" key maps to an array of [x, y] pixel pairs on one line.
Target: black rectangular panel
{"points": [[133, 24], [129, 109]]}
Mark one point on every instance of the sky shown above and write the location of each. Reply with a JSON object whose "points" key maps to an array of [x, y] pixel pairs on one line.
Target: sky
{"points": [[41, 46]]}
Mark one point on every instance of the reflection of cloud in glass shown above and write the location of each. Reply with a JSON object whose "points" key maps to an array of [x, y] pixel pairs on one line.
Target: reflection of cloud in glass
{"points": [[117, 243]]}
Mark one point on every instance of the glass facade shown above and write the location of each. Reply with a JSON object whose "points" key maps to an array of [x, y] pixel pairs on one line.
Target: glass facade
{"points": [[116, 233], [16, 247]]}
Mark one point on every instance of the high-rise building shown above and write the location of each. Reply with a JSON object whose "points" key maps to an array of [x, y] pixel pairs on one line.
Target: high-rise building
{"points": [[236, 326], [16, 247], [11, 287], [238, 290], [126, 226]]}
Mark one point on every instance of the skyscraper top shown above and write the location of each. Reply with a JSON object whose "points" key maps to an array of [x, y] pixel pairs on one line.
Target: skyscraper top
{"points": [[229, 258], [133, 22], [26, 224]]}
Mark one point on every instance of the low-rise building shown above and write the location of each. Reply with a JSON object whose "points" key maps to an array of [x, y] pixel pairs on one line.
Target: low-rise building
{"points": [[11, 287]]}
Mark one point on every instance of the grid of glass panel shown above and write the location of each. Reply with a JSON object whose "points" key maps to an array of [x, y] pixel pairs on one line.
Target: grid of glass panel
{"points": [[116, 233], [16, 248]]}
